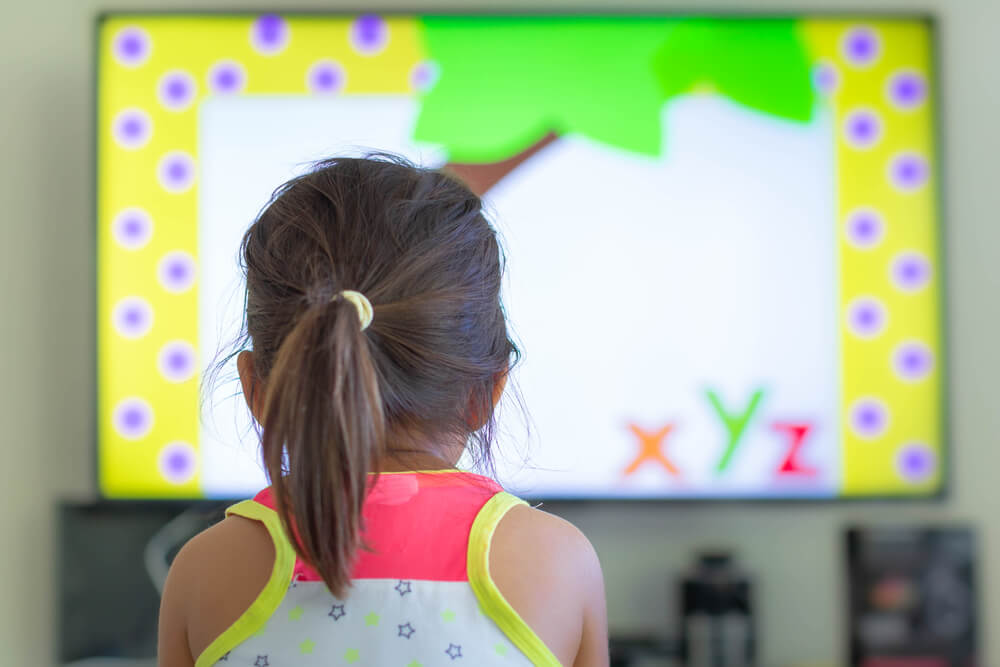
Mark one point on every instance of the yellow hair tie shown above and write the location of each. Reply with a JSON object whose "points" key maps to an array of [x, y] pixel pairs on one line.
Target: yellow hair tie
{"points": [[361, 302]]}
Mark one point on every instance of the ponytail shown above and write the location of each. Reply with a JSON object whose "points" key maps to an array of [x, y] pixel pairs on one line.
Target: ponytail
{"points": [[324, 412]]}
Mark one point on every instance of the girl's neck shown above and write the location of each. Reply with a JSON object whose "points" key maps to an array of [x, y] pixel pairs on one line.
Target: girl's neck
{"points": [[409, 462]]}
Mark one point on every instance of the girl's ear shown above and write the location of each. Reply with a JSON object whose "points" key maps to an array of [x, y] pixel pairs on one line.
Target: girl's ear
{"points": [[477, 420], [499, 384], [253, 387]]}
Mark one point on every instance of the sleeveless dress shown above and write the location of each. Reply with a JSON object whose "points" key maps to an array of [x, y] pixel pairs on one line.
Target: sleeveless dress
{"points": [[421, 596]]}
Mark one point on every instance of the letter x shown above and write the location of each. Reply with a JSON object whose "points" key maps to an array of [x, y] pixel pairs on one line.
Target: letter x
{"points": [[651, 448]]}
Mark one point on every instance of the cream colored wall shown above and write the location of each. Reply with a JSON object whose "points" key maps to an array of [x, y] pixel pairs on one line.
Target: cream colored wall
{"points": [[47, 343]]}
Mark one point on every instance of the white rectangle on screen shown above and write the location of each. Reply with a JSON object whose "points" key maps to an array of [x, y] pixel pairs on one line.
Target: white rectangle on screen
{"points": [[636, 286]]}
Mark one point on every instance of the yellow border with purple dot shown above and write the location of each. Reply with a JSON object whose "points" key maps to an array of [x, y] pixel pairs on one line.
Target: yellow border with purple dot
{"points": [[879, 83], [154, 71]]}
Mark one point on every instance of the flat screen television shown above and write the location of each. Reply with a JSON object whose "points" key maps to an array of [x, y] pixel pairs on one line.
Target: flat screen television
{"points": [[723, 239]]}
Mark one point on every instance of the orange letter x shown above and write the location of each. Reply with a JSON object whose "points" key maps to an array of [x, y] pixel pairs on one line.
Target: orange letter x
{"points": [[650, 449]]}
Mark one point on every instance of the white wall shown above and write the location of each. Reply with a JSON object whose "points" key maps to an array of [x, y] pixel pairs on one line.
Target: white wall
{"points": [[47, 343]]}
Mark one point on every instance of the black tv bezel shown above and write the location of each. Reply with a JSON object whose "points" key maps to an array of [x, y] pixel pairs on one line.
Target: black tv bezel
{"points": [[941, 494]]}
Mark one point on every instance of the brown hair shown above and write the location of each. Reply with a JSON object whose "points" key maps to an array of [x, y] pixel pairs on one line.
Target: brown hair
{"points": [[415, 242]]}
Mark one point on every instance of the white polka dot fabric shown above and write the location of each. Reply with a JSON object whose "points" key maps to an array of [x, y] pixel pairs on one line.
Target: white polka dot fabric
{"points": [[380, 622]]}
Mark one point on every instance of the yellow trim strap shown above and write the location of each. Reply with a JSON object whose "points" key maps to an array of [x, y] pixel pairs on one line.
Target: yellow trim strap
{"points": [[490, 598], [272, 594]]}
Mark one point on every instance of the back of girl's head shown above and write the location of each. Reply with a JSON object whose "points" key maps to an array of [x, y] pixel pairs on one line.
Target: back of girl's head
{"points": [[338, 397]]}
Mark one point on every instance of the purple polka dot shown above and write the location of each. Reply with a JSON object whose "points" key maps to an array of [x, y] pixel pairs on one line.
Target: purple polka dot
{"points": [[177, 271], [177, 90], [861, 46], [132, 317], [132, 128], [133, 418], [178, 462], [131, 46], [866, 317], [913, 361], [269, 34], [869, 418], [865, 228], [862, 128], [424, 75], [907, 90], [325, 77], [227, 78], [132, 228], [911, 271], [176, 172], [825, 78], [908, 171], [177, 361], [916, 462], [369, 34]]}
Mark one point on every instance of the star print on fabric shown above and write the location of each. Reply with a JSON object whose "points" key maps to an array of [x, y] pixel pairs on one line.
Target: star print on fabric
{"points": [[296, 613], [500, 649], [454, 651], [403, 587], [261, 661], [352, 655], [371, 619], [414, 664], [447, 616], [307, 646], [406, 630], [337, 612]]}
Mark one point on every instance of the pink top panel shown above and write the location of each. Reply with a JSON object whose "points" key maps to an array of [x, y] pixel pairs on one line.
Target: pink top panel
{"points": [[416, 524]]}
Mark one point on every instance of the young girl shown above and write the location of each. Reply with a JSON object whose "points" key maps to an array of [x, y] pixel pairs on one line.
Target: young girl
{"points": [[379, 350]]}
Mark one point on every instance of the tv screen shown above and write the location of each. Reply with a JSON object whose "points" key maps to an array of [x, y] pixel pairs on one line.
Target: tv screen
{"points": [[722, 236]]}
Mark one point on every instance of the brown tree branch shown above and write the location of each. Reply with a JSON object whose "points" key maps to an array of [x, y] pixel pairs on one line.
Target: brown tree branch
{"points": [[480, 177]]}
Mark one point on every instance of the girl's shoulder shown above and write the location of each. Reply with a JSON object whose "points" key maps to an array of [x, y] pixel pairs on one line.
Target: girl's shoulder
{"points": [[550, 574], [214, 578]]}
